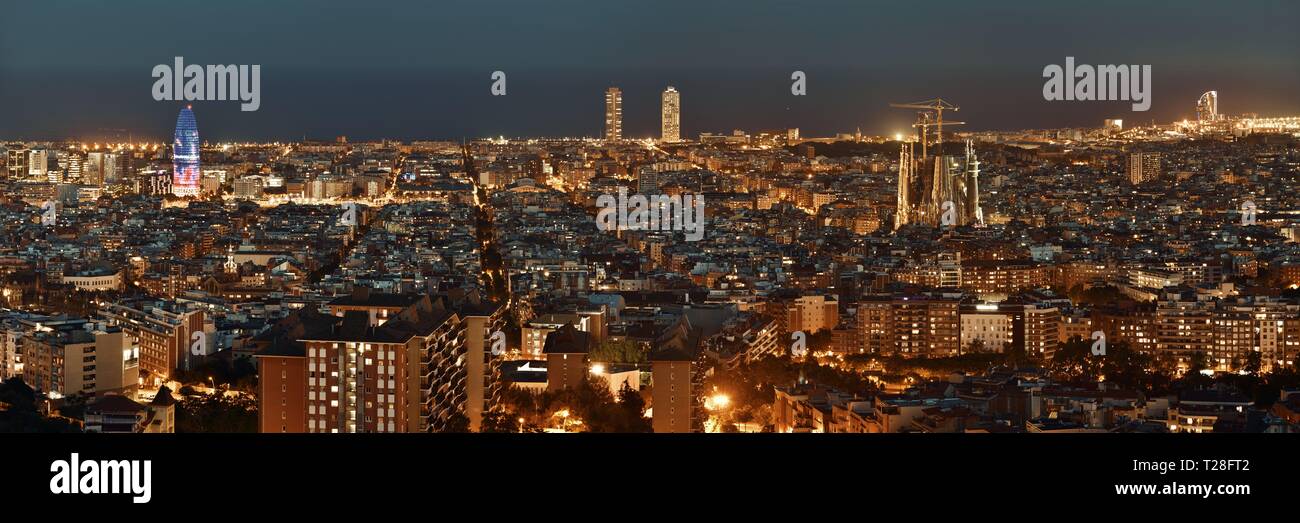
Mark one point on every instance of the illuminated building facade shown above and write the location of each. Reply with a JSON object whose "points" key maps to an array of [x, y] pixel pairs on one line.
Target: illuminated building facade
{"points": [[613, 114], [1143, 167], [1207, 107], [185, 155], [910, 326], [671, 124]]}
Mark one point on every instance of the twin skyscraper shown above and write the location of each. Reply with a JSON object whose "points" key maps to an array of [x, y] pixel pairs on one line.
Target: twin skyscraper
{"points": [[670, 129]]}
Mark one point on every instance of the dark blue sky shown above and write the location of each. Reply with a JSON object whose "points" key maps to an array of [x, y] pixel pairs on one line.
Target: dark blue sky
{"points": [[422, 69]]}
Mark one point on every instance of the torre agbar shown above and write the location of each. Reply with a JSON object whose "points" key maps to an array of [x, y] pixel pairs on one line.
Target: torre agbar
{"points": [[185, 155]]}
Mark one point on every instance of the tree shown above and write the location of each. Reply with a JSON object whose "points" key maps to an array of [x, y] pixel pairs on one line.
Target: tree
{"points": [[457, 423], [237, 373], [1254, 362], [1015, 355], [591, 408], [1104, 295], [1073, 359], [633, 407], [1121, 365], [1198, 363], [216, 413], [21, 415], [619, 351], [498, 421]]}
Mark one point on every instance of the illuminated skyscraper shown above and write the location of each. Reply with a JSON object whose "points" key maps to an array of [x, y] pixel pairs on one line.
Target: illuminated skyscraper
{"points": [[18, 163], [671, 128], [185, 155], [613, 114], [38, 163], [100, 168], [1207, 107], [73, 165]]}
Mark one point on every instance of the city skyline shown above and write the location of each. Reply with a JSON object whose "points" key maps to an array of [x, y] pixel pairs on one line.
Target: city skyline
{"points": [[275, 244], [397, 87], [670, 117]]}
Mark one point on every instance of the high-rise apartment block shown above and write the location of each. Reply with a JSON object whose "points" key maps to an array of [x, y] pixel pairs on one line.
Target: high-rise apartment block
{"points": [[613, 114], [380, 363], [1143, 167]]}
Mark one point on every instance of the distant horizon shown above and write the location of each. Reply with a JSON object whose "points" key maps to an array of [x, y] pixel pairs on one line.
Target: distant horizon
{"points": [[226, 114], [420, 71]]}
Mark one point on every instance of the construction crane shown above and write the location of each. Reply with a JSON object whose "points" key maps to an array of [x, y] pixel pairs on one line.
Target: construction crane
{"points": [[930, 109]]}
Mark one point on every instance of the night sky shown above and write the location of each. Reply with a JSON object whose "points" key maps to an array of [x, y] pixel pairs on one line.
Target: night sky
{"points": [[408, 70]]}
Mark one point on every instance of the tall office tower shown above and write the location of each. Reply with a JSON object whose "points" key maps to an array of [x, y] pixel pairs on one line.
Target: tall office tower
{"points": [[100, 168], [17, 163], [109, 170], [73, 165], [38, 163], [613, 114], [185, 155], [671, 124], [1143, 167]]}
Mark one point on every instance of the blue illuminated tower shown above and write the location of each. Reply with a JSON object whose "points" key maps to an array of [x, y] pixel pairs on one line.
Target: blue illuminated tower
{"points": [[185, 155]]}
